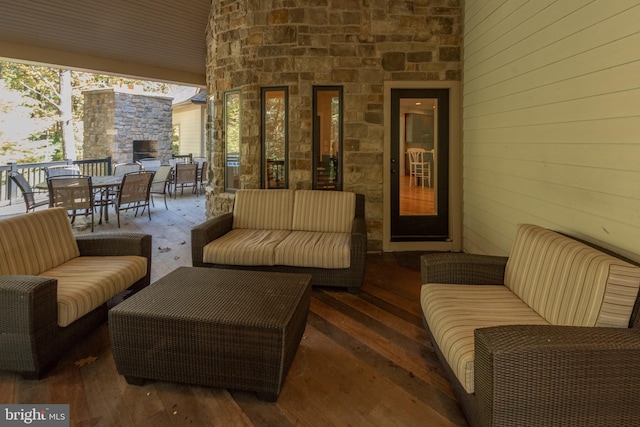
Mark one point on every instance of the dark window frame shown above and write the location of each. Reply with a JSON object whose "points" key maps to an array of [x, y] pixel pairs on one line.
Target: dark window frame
{"points": [[263, 125], [316, 139]]}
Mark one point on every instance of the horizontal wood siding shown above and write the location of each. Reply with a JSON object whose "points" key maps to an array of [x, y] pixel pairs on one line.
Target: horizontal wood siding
{"points": [[551, 111], [191, 129]]}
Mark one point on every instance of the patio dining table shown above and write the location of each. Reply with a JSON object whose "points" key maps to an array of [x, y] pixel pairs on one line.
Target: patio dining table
{"points": [[105, 183]]}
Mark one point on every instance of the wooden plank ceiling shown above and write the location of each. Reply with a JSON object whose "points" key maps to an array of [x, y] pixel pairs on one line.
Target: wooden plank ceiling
{"points": [[150, 39]]}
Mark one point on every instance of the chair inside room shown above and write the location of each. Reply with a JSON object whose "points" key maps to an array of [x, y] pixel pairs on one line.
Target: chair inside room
{"points": [[62, 170], [186, 174], [30, 200], [160, 183], [134, 193], [121, 169], [275, 173], [419, 166], [72, 192]]}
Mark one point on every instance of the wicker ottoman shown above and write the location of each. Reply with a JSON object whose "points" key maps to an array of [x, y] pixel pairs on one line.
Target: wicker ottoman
{"points": [[221, 328]]}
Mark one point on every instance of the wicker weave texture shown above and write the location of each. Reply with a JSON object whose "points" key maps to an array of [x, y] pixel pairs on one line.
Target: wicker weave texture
{"points": [[31, 342], [532, 375], [351, 278], [221, 328]]}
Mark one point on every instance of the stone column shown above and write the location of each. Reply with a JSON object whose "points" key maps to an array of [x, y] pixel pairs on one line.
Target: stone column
{"points": [[354, 44]]}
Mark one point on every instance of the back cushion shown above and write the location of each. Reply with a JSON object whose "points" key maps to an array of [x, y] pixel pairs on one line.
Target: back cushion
{"points": [[36, 242], [326, 211], [263, 209], [569, 283]]}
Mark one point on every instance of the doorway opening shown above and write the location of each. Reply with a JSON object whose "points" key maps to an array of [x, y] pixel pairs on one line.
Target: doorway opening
{"points": [[418, 151]]}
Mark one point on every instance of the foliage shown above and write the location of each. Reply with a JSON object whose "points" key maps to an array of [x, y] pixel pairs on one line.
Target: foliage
{"points": [[275, 126], [16, 127], [44, 95], [232, 122], [175, 141]]}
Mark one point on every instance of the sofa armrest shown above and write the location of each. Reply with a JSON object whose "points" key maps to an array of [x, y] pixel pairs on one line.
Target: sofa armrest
{"points": [[207, 232], [359, 226], [460, 268], [115, 244], [560, 375], [359, 240], [28, 310]]}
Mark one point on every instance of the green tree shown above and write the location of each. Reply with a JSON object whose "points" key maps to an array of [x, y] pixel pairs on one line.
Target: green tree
{"points": [[56, 94]]}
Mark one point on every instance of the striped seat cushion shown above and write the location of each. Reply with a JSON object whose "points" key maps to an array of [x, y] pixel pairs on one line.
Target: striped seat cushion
{"points": [[453, 312], [314, 249], [263, 209], [85, 283], [36, 242], [244, 247], [328, 211], [570, 283]]}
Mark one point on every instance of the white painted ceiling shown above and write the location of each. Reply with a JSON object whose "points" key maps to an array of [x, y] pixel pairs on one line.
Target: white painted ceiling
{"points": [[152, 39]]}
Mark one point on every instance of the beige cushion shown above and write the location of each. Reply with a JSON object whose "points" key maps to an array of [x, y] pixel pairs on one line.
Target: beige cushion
{"points": [[85, 283], [453, 312], [330, 211], [35, 242], [263, 209], [312, 249], [569, 283], [244, 247]]}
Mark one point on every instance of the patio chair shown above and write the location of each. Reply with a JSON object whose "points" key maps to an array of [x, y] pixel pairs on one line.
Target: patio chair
{"points": [[186, 174], [134, 193], [72, 192], [199, 160], [62, 170], [160, 183], [121, 169], [27, 192], [150, 163], [202, 175], [183, 158]]}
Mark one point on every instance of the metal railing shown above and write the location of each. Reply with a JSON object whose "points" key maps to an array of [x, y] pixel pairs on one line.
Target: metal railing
{"points": [[35, 173]]}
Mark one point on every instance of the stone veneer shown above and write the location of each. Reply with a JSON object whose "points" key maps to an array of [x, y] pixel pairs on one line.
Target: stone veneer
{"points": [[113, 119], [357, 44]]}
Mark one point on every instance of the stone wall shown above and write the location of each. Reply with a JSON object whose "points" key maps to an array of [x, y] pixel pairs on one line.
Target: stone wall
{"points": [[113, 119], [357, 44]]}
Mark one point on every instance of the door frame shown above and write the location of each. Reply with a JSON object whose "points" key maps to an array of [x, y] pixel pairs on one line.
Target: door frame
{"points": [[454, 242]]}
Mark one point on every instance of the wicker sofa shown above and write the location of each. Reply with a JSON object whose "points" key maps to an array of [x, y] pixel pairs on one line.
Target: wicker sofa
{"points": [[322, 233], [54, 287], [549, 336]]}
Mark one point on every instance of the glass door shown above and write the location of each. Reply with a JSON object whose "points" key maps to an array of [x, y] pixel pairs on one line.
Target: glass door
{"points": [[419, 164]]}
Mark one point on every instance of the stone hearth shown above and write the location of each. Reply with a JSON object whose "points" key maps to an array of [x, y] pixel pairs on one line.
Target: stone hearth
{"points": [[114, 119]]}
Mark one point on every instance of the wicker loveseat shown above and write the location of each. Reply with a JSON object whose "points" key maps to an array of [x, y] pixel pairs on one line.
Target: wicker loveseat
{"points": [[54, 287], [549, 336], [322, 233]]}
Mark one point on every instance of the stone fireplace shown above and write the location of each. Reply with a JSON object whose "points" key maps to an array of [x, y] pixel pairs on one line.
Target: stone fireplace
{"points": [[144, 148], [126, 125]]}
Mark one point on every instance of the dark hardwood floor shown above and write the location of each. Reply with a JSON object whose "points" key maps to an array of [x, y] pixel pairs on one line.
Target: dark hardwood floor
{"points": [[364, 360]]}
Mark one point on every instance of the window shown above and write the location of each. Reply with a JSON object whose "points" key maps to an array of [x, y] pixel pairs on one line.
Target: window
{"points": [[275, 137], [327, 137], [232, 128]]}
